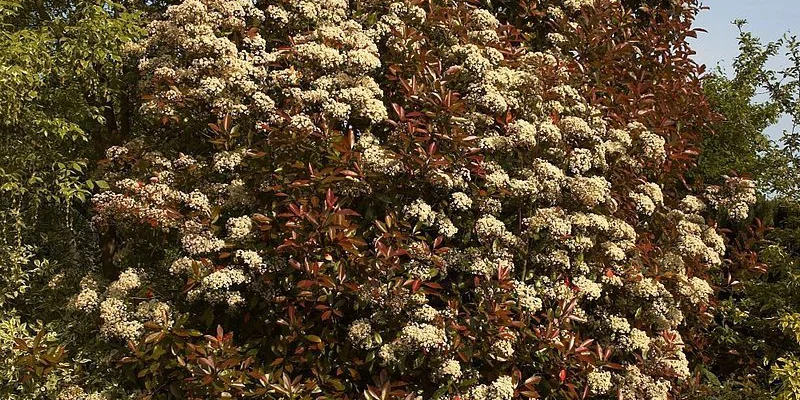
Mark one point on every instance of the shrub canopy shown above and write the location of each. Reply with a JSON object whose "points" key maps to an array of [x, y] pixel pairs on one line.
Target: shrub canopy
{"points": [[434, 200]]}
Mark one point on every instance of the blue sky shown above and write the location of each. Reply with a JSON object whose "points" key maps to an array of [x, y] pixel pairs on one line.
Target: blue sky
{"points": [[767, 19]]}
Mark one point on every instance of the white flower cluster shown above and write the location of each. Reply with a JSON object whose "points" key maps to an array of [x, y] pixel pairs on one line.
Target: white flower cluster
{"points": [[127, 281], [360, 334], [109, 206], [575, 5], [88, 298], [221, 287], [599, 382], [227, 161], [183, 265], [692, 205], [450, 369], [416, 336], [488, 228], [651, 146], [526, 295], [634, 384], [460, 201], [734, 197], [646, 198], [376, 159], [413, 338], [696, 240], [252, 260], [474, 260], [201, 243], [589, 289], [425, 313], [77, 393], [239, 227], [423, 213], [501, 389], [118, 321], [155, 311], [503, 348], [696, 290], [115, 152]]}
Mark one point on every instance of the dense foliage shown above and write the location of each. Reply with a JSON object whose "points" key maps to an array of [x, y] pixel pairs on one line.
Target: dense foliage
{"points": [[753, 348], [384, 199]]}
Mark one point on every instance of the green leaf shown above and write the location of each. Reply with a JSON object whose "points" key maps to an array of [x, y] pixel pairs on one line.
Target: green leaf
{"points": [[313, 338]]}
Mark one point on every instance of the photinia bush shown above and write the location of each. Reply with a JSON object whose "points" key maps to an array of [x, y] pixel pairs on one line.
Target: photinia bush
{"points": [[408, 199]]}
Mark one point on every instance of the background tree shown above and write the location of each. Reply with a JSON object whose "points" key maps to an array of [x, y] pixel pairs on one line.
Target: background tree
{"points": [[754, 346], [66, 97]]}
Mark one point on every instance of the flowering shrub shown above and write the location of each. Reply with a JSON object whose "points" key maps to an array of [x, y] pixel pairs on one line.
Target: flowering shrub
{"points": [[396, 199]]}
